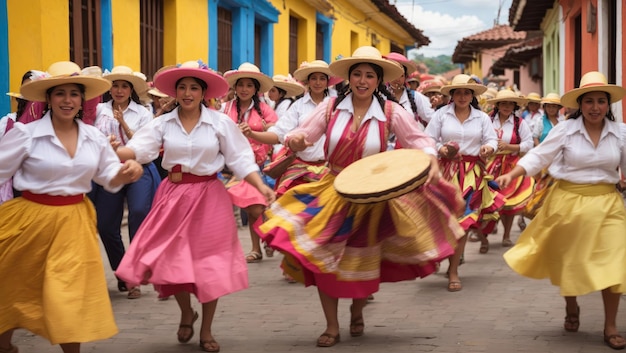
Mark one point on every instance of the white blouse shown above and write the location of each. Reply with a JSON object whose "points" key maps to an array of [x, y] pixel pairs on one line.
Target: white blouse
{"points": [[402, 124], [213, 142], [507, 132], [4, 120], [135, 116], [538, 129], [422, 103], [571, 155], [282, 108], [39, 163], [294, 117], [476, 131]]}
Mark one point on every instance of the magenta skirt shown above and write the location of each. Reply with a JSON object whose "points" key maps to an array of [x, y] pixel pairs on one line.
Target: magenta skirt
{"points": [[188, 242]]}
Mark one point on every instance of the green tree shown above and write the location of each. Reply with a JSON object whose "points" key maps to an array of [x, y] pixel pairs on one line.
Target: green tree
{"points": [[436, 65]]}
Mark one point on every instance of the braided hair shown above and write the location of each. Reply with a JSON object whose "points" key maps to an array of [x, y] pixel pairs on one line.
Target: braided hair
{"points": [[578, 113], [255, 97], [381, 93]]}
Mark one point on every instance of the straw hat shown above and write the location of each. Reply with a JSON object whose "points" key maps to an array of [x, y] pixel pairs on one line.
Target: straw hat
{"points": [[155, 91], [15, 95], [464, 81], [166, 78], [61, 73], [533, 97], [592, 81], [507, 95], [307, 68], [489, 93], [248, 70], [289, 85], [125, 73], [371, 55], [414, 77], [410, 65], [552, 98], [430, 86]]}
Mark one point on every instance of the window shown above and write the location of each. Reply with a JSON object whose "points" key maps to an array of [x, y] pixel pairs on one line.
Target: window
{"points": [[319, 42], [577, 50], [257, 45], [224, 39], [293, 44], [85, 36], [151, 36]]}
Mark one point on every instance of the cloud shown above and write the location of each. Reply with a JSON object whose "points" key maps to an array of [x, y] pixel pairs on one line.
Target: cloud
{"points": [[444, 30]]}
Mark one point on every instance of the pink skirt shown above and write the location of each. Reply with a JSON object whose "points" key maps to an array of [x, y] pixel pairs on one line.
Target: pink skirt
{"points": [[242, 194], [188, 242]]}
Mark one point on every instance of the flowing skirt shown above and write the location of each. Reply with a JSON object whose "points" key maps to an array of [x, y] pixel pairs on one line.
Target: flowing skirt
{"points": [[519, 191], [482, 201], [300, 172], [188, 242], [53, 281], [348, 249], [576, 240]]}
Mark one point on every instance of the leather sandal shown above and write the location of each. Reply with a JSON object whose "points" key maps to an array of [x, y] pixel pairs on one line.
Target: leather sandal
{"points": [[209, 346], [572, 323], [185, 339], [254, 257], [13, 349], [334, 340], [134, 293], [269, 251], [611, 338], [357, 325]]}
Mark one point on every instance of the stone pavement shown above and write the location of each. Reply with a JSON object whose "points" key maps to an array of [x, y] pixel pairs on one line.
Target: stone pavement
{"points": [[497, 311]]}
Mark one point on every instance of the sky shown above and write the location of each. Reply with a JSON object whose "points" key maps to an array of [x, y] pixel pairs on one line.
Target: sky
{"points": [[446, 22]]}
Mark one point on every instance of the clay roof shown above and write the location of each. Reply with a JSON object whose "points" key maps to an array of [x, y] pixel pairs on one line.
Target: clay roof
{"points": [[494, 37], [392, 12], [527, 15], [519, 55]]}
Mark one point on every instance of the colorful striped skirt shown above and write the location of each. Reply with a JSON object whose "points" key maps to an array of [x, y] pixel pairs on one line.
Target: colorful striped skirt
{"points": [[519, 192]]}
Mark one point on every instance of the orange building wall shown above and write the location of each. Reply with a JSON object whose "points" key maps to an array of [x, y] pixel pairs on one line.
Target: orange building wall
{"points": [[589, 41]]}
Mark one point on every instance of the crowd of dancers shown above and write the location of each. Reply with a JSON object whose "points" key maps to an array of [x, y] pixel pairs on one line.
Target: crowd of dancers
{"points": [[180, 152]]}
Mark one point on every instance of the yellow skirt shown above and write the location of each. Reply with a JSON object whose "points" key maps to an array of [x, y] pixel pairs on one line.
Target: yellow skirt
{"points": [[577, 240], [53, 281]]}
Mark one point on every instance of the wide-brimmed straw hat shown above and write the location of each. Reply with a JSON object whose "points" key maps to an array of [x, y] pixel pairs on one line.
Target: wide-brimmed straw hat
{"points": [[551, 98], [367, 54], [61, 73], [15, 95], [289, 85], [506, 95], [248, 70], [125, 73], [410, 65], [166, 78], [414, 77], [307, 68], [430, 86], [464, 81], [155, 91], [489, 93], [533, 97], [592, 81]]}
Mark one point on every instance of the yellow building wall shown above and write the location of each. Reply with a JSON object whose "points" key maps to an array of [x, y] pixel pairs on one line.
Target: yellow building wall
{"points": [[185, 31], [126, 33], [39, 35]]}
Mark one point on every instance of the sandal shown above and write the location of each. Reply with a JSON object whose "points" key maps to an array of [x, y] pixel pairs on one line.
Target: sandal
{"points": [[507, 243], [213, 346], [334, 339], [454, 286], [572, 323], [269, 251], [357, 325], [185, 339], [484, 248], [134, 293], [13, 349], [611, 338], [521, 223], [473, 237], [254, 257]]}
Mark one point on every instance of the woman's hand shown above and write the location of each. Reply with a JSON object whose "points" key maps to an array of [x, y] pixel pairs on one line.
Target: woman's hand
{"points": [[130, 172], [504, 180], [118, 114], [486, 151], [245, 128], [298, 143], [434, 174], [269, 194]]}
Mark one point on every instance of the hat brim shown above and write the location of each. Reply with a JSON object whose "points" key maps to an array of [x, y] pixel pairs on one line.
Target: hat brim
{"points": [[15, 95], [36, 90], [155, 92], [517, 100], [569, 98], [391, 69], [432, 89], [292, 89], [478, 89], [265, 81], [165, 81], [139, 86], [550, 101], [302, 74]]}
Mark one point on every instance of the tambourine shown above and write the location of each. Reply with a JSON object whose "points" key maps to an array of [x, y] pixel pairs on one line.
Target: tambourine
{"points": [[383, 176]]}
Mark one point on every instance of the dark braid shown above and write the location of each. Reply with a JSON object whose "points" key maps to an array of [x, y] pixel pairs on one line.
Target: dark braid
{"points": [[411, 94], [341, 95], [257, 104], [382, 94], [579, 112], [21, 107]]}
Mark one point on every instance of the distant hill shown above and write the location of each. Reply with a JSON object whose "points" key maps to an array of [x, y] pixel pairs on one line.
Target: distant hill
{"points": [[435, 65]]}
